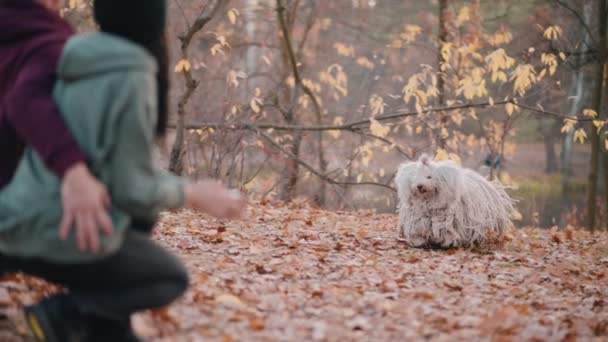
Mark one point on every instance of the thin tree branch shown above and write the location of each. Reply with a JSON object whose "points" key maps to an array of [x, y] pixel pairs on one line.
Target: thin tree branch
{"points": [[181, 8], [579, 17], [177, 152], [200, 22], [390, 143], [313, 170], [359, 124]]}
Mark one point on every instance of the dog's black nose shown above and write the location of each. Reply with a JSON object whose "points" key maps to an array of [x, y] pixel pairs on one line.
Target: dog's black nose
{"points": [[420, 188]]}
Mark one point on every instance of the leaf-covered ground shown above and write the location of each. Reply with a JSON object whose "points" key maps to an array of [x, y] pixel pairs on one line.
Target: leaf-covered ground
{"points": [[295, 273]]}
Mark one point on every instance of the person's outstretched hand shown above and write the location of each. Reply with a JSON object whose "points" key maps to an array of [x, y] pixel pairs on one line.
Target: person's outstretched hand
{"points": [[86, 206], [211, 197]]}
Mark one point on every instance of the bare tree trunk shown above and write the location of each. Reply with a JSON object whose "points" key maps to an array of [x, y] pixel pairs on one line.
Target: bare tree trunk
{"points": [[598, 92], [578, 88], [442, 41], [551, 156], [289, 176], [604, 141], [178, 151], [575, 108], [285, 20]]}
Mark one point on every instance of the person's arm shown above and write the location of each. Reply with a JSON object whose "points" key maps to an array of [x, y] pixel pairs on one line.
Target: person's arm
{"points": [[35, 117], [137, 186]]}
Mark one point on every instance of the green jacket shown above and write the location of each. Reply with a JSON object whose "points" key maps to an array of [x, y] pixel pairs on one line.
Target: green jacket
{"points": [[106, 90]]}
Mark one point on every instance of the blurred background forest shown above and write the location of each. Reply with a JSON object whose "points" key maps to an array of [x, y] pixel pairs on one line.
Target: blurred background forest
{"points": [[323, 99]]}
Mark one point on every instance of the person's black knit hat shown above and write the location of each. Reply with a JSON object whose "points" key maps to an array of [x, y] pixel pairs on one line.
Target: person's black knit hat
{"points": [[142, 21]]}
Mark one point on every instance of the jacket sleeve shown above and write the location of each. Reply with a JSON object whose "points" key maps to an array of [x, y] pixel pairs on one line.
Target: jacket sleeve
{"points": [[137, 186], [34, 115]]}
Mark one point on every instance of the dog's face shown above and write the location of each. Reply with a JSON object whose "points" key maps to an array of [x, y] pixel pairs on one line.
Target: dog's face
{"points": [[428, 181]]}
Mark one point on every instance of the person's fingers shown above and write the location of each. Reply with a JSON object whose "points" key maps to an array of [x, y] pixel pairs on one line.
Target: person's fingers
{"points": [[66, 224], [81, 234], [107, 203], [104, 221], [92, 235]]}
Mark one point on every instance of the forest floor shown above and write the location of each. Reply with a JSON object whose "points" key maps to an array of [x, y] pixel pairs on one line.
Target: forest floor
{"points": [[296, 273]]}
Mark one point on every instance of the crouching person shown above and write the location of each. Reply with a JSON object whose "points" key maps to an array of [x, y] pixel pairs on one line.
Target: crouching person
{"points": [[112, 90]]}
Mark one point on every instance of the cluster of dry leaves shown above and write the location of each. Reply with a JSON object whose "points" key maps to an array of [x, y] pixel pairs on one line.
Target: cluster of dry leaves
{"points": [[296, 273]]}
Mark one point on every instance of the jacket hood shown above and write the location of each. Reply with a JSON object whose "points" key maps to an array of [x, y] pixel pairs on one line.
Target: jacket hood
{"points": [[90, 54], [24, 20]]}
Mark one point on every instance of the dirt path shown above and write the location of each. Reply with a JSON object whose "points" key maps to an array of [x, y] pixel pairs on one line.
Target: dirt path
{"points": [[300, 274]]}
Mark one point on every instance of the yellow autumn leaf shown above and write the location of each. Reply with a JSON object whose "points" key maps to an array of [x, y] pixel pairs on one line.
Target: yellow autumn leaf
{"points": [[345, 50], [580, 135], [506, 179], [232, 15], [304, 101], [338, 121], [568, 125], [456, 158], [446, 51], [408, 36], [524, 77], [337, 79], [517, 216], [464, 14], [366, 154], [498, 61], [229, 300], [222, 40], [510, 108], [291, 82], [599, 124], [500, 38], [183, 65], [255, 104], [376, 104], [378, 129], [396, 44], [217, 48], [590, 113], [550, 60], [552, 32], [233, 76], [442, 155], [325, 24], [365, 62]]}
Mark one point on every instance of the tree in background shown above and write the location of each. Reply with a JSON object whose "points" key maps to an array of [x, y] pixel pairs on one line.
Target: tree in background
{"points": [[315, 98]]}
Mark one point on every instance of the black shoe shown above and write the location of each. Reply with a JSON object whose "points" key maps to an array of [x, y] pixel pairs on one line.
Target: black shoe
{"points": [[55, 319], [104, 330]]}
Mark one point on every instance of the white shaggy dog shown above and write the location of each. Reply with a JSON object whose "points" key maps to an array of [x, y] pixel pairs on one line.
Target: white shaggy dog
{"points": [[442, 204]]}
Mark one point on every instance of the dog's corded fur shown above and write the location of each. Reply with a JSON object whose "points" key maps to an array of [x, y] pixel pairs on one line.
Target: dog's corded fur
{"points": [[442, 204]]}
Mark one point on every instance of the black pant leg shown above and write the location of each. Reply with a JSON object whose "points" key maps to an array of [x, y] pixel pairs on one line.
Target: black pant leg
{"points": [[142, 226], [141, 275]]}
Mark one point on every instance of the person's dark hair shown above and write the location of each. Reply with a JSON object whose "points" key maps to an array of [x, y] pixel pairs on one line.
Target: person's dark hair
{"points": [[161, 54], [142, 22]]}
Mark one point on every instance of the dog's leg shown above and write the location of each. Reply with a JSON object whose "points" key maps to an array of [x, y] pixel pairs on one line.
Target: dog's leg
{"points": [[444, 230], [420, 231]]}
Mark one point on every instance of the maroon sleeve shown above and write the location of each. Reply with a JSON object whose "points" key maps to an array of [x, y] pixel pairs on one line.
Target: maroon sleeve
{"points": [[34, 115]]}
